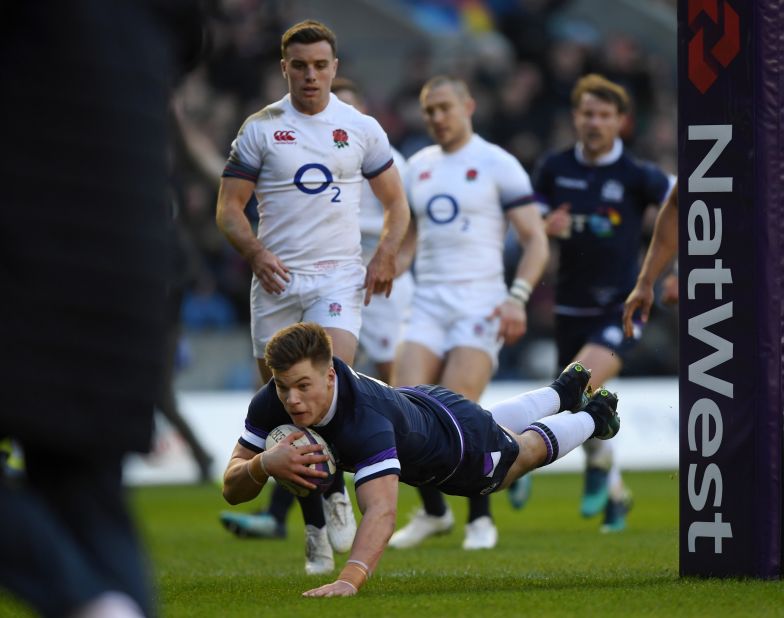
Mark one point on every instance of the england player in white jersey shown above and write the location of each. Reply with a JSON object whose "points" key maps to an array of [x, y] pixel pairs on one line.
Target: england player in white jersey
{"points": [[306, 157], [463, 191], [382, 319]]}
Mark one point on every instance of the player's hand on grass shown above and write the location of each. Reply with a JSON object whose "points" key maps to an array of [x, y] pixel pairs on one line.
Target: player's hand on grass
{"points": [[270, 271], [639, 299], [337, 588], [513, 320], [288, 462], [380, 275]]}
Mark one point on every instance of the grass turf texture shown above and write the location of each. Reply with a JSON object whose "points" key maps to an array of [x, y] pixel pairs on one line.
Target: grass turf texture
{"points": [[549, 562]]}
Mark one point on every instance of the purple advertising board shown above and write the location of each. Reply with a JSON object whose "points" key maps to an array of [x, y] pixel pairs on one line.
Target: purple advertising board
{"points": [[731, 202]]}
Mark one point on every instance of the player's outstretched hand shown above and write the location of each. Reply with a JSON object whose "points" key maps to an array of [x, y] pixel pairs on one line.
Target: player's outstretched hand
{"points": [[513, 320], [639, 299], [337, 588], [288, 462], [271, 272]]}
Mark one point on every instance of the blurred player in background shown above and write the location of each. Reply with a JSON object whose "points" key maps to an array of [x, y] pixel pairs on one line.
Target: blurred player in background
{"points": [[661, 252], [598, 196], [383, 318], [423, 436], [305, 157], [463, 192], [85, 251]]}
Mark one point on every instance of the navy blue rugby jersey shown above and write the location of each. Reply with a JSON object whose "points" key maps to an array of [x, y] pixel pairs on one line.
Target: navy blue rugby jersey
{"points": [[599, 261], [376, 430]]}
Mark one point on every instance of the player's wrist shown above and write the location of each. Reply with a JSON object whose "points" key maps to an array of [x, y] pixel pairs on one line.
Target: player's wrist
{"points": [[355, 573], [259, 477], [520, 291]]}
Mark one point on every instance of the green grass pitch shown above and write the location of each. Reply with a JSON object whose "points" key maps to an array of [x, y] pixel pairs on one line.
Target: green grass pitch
{"points": [[549, 562]]}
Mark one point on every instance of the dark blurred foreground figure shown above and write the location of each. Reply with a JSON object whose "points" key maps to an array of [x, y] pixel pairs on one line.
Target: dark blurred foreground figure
{"points": [[83, 270]]}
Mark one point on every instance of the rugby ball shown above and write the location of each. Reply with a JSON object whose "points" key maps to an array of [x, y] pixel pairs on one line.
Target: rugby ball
{"points": [[310, 437]]}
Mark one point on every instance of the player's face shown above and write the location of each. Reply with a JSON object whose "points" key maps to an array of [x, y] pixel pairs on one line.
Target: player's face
{"points": [[448, 116], [309, 70], [306, 391], [597, 123]]}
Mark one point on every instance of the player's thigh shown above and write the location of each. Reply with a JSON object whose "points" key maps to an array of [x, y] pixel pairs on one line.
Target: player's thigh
{"points": [[415, 364], [344, 344], [467, 371]]}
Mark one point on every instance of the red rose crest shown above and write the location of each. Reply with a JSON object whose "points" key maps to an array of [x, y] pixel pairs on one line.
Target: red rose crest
{"points": [[471, 174], [340, 137]]}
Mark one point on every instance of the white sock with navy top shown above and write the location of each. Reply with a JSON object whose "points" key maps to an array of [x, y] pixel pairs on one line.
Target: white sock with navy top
{"points": [[517, 412], [563, 432]]}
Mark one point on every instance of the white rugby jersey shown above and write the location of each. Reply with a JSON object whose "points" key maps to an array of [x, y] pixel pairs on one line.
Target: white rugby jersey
{"points": [[459, 200], [371, 212], [309, 172]]}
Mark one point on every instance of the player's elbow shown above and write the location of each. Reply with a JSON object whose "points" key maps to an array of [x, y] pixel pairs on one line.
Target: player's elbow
{"points": [[229, 495]]}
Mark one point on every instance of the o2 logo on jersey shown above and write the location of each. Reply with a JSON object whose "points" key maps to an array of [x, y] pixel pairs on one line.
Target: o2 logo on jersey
{"points": [[315, 178], [442, 209]]}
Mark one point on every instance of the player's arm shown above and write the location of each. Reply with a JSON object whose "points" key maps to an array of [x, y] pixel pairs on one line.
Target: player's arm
{"points": [[230, 217], [248, 471], [405, 257], [377, 501], [661, 252], [527, 222], [388, 188]]}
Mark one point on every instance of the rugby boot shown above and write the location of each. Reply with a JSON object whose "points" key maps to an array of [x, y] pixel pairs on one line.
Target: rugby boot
{"points": [[602, 408], [421, 527], [571, 387]]}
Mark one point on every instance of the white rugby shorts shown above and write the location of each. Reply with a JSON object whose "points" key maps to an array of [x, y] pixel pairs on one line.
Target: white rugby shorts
{"points": [[382, 320], [332, 298], [449, 315]]}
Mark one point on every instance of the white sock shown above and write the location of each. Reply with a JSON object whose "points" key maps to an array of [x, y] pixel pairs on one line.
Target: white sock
{"points": [[521, 410], [615, 482], [599, 453], [563, 432]]}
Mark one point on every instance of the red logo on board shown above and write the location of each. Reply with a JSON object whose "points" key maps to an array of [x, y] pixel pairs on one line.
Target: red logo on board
{"points": [[702, 67]]}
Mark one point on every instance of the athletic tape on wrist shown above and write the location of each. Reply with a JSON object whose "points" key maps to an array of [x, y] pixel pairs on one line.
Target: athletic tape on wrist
{"points": [[520, 290], [350, 584], [353, 574], [250, 474]]}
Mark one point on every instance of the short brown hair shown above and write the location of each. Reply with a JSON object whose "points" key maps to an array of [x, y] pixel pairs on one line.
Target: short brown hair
{"points": [[343, 83], [307, 32], [458, 85], [298, 342], [602, 88]]}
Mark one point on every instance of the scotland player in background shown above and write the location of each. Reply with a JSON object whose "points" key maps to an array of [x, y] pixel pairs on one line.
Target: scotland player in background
{"points": [[422, 435], [463, 192], [598, 195], [306, 157]]}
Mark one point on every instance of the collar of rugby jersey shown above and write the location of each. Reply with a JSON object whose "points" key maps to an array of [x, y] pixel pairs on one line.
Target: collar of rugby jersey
{"points": [[606, 159], [332, 407]]}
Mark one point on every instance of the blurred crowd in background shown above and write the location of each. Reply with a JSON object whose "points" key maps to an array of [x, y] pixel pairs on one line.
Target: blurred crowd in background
{"points": [[520, 59]]}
